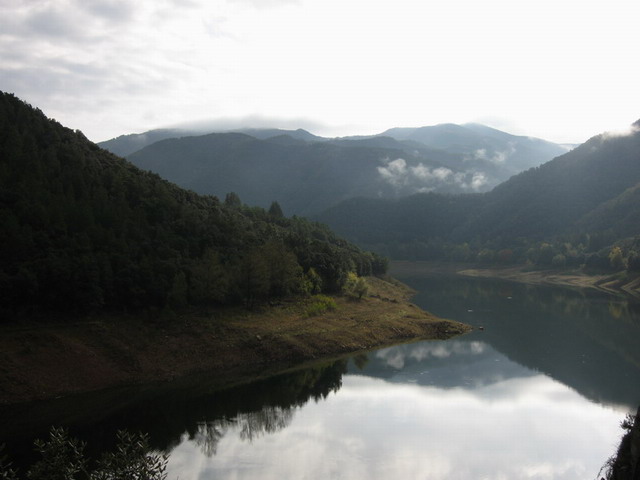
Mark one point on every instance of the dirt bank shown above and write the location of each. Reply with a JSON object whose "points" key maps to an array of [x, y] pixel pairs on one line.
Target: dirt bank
{"points": [[40, 361]]}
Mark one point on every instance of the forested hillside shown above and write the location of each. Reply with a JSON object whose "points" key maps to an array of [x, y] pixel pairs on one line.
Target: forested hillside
{"points": [[569, 208], [307, 174], [83, 230], [303, 177]]}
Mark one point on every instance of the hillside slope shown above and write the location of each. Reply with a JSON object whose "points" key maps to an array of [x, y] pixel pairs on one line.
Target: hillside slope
{"points": [[83, 230], [307, 174], [590, 190]]}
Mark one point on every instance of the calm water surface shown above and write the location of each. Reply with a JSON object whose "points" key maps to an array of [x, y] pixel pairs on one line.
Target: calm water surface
{"points": [[539, 393]]}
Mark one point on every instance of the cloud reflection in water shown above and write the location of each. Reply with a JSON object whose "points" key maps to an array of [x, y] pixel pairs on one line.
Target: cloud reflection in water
{"points": [[508, 425]]}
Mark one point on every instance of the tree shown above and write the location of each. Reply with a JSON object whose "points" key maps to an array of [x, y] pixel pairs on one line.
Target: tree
{"points": [[285, 275], [209, 280], [62, 458], [254, 278], [361, 288], [633, 262], [312, 282], [616, 258], [559, 260], [177, 297], [355, 286], [232, 200], [275, 210], [131, 460]]}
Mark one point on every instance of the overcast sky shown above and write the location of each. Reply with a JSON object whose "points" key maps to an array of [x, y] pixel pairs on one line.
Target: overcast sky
{"points": [[563, 70]]}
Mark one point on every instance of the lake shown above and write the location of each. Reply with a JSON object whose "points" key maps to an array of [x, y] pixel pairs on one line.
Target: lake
{"points": [[538, 393]]}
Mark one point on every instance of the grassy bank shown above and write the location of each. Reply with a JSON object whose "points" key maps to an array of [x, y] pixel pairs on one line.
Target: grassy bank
{"points": [[39, 361]]}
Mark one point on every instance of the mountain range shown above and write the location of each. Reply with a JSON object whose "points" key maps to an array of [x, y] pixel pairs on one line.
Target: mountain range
{"points": [[587, 197], [307, 174], [572, 209]]}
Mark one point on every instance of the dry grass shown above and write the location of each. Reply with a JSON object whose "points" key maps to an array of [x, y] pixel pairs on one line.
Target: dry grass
{"points": [[39, 362]]}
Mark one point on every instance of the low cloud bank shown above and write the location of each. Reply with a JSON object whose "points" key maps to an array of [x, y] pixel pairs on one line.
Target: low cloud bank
{"points": [[422, 178]]}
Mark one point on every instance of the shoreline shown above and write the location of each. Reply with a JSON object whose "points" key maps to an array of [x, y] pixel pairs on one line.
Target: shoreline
{"points": [[573, 278], [47, 361]]}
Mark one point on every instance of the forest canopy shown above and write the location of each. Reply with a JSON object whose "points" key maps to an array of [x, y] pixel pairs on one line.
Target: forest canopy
{"points": [[83, 230]]}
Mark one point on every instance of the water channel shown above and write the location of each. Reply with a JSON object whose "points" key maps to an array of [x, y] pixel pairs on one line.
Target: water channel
{"points": [[538, 393]]}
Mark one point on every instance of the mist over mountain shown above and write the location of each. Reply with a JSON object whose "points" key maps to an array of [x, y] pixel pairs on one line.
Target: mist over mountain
{"points": [[586, 198], [127, 144], [307, 173], [483, 146]]}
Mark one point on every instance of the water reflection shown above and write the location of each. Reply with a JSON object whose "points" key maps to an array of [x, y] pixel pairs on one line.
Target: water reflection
{"points": [[394, 418], [585, 339], [251, 426], [538, 394], [192, 411], [456, 363]]}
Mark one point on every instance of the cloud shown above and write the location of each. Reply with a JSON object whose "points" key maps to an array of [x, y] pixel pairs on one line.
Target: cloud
{"points": [[497, 157], [426, 173], [421, 178], [294, 58], [395, 172], [623, 132], [110, 10], [266, 3], [373, 429], [396, 356], [224, 124], [478, 181]]}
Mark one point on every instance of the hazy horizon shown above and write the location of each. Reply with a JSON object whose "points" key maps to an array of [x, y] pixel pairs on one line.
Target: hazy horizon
{"points": [[561, 71]]}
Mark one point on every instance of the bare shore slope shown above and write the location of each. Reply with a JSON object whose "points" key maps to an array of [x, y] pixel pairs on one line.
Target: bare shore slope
{"points": [[41, 361]]}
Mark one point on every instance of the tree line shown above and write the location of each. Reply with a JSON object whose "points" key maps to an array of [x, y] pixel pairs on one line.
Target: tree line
{"points": [[83, 230]]}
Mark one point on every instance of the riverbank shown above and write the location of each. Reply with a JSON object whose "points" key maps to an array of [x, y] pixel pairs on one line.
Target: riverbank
{"points": [[44, 361], [611, 283]]}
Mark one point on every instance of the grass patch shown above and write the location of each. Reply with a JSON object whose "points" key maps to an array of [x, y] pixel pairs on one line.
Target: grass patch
{"points": [[319, 305]]}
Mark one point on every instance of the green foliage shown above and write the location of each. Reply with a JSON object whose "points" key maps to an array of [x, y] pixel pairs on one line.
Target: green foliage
{"points": [[131, 460], [633, 262], [232, 200], [589, 197], [616, 259], [319, 305], [312, 282], [177, 296], [62, 458], [83, 230], [309, 173], [623, 465], [355, 286], [6, 472], [275, 210], [559, 261], [209, 279], [361, 288]]}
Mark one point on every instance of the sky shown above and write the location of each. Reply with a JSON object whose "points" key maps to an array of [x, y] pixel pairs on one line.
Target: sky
{"points": [[563, 70]]}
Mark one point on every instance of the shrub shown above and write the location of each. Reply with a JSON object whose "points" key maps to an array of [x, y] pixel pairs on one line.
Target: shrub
{"points": [[319, 305], [62, 458]]}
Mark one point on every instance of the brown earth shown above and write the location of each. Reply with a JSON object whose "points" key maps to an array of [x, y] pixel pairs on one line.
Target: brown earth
{"points": [[43, 360]]}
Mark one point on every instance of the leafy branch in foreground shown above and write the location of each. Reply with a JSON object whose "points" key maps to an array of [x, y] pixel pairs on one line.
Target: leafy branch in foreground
{"points": [[62, 458]]}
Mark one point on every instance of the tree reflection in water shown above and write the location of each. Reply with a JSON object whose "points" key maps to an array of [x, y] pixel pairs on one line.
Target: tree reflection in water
{"points": [[264, 407], [252, 425]]}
